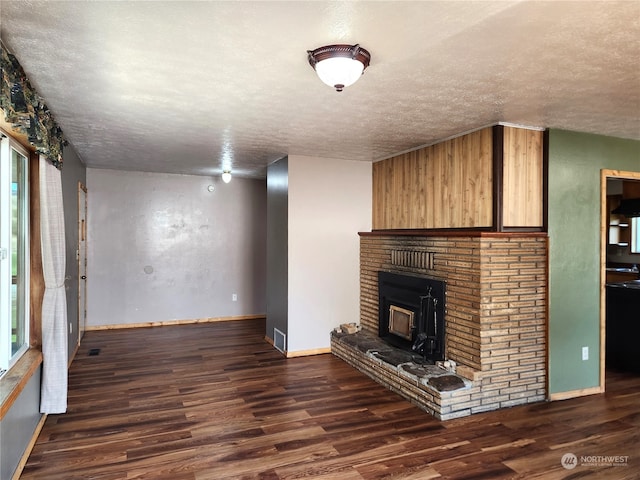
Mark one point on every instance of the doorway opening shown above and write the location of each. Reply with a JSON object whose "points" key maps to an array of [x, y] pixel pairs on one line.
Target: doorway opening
{"points": [[619, 263]]}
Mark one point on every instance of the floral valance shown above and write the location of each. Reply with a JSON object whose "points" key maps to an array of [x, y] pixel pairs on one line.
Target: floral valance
{"points": [[26, 111]]}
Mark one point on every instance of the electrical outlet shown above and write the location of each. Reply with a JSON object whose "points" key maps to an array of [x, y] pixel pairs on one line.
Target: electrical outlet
{"points": [[234, 297], [585, 353]]}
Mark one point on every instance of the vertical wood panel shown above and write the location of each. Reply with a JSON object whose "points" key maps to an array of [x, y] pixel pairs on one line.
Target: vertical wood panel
{"points": [[379, 200], [441, 185], [402, 194], [418, 189], [522, 178], [426, 158], [392, 195], [482, 178], [458, 171], [392, 198], [447, 185], [36, 278]]}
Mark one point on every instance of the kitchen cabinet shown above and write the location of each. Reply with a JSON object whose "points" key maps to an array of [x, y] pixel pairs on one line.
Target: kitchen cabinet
{"points": [[619, 232], [623, 326]]}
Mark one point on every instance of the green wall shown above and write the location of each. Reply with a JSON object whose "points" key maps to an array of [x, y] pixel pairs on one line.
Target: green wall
{"points": [[575, 161]]}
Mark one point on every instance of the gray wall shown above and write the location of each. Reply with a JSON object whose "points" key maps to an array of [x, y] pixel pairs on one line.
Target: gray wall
{"points": [[575, 161], [277, 246], [73, 172], [18, 425], [162, 247]]}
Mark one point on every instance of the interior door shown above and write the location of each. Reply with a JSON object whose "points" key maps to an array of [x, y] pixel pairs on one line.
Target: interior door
{"points": [[82, 260]]}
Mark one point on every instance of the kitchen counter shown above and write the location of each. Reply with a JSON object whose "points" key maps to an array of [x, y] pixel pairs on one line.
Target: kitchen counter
{"points": [[633, 284], [623, 269], [622, 273]]}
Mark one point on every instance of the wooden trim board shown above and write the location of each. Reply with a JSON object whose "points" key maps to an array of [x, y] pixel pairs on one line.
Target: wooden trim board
{"points": [[576, 393], [307, 353], [16, 379], [173, 322]]}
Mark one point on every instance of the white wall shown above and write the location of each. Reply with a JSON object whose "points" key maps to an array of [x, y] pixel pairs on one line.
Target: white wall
{"points": [[329, 203], [162, 247]]}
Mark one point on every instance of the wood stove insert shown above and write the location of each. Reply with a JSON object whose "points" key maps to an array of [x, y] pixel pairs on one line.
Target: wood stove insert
{"points": [[411, 314]]}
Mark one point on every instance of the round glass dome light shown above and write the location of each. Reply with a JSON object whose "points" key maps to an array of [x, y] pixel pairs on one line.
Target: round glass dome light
{"points": [[339, 72], [339, 65]]}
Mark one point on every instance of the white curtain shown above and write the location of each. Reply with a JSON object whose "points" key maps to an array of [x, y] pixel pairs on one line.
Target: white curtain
{"points": [[53, 397]]}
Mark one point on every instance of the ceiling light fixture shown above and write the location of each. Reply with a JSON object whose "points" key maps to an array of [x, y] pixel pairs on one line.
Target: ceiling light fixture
{"points": [[226, 176], [339, 65]]}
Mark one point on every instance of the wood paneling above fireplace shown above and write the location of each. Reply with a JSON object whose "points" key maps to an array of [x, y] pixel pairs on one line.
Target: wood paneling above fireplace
{"points": [[522, 178], [491, 179]]}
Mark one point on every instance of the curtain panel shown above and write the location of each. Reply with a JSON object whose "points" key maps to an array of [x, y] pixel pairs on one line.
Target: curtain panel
{"points": [[54, 305]]}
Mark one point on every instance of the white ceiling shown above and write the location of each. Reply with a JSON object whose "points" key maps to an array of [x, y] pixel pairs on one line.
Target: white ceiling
{"points": [[189, 87]]}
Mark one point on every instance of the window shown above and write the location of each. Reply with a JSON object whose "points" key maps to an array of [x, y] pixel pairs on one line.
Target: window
{"points": [[14, 252], [635, 235]]}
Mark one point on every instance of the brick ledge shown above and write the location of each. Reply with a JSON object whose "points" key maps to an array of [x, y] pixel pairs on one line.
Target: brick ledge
{"points": [[444, 405]]}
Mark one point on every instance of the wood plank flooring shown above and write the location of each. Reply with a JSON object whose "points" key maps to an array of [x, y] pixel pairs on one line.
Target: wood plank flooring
{"points": [[215, 401]]}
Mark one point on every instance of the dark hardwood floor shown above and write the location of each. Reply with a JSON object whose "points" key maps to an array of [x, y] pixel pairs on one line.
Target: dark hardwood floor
{"points": [[215, 401]]}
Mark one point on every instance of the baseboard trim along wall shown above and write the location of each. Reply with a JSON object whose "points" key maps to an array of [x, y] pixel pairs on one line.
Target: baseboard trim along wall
{"points": [[307, 353], [575, 393], [174, 322], [300, 353]]}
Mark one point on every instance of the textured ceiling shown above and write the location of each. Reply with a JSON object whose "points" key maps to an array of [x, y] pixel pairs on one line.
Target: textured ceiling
{"points": [[190, 87]]}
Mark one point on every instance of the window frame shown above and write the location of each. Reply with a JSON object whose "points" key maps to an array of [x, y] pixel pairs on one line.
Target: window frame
{"points": [[8, 146]]}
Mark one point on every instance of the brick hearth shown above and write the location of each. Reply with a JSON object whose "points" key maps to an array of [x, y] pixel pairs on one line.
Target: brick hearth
{"points": [[496, 313]]}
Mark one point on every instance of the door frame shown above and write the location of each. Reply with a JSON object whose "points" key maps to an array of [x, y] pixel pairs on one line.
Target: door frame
{"points": [[82, 269], [604, 227]]}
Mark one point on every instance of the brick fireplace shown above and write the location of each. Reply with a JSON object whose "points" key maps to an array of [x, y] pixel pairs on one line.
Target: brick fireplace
{"points": [[495, 319]]}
